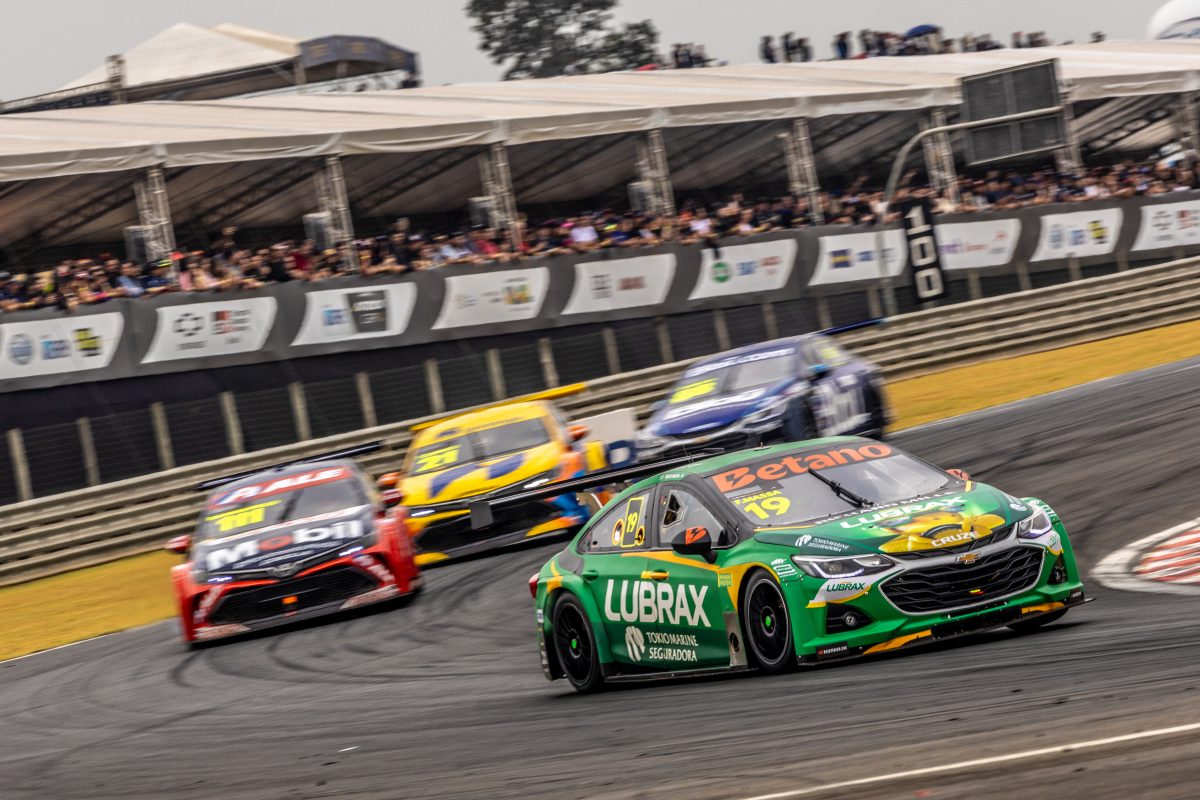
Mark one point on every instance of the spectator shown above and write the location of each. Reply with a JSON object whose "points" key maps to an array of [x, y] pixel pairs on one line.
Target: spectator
{"points": [[766, 50], [803, 50], [841, 46], [129, 283]]}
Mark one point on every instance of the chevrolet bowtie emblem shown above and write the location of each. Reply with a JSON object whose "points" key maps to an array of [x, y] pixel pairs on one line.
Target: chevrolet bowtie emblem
{"points": [[966, 558]]}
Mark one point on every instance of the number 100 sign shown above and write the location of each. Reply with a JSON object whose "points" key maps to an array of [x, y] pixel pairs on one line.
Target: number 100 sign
{"points": [[928, 279]]}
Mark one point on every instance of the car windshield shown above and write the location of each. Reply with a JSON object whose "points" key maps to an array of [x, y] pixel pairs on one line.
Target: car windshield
{"points": [[250, 510], [782, 491], [736, 374], [477, 445]]}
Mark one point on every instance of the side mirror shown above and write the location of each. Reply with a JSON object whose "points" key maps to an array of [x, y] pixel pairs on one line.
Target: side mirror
{"points": [[388, 481], [179, 544], [819, 370], [577, 432], [961, 474], [694, 542], [391, 497]]}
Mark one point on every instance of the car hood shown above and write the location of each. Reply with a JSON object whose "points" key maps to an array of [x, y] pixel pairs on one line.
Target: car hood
{"points": [[709, 413], [282, 549], [977, 512], [480, 477]]}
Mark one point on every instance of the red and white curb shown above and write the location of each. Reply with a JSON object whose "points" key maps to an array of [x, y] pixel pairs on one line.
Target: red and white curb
{"points": [[1167, 562]]}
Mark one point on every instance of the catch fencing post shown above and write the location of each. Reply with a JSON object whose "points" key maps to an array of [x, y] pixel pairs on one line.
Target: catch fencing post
{"points": [[1023, 279], [721, 329], [87, 446], [824, 318], [974, 284], [664, 340], [769, 322], [16, 452], [362, 382], [162, 436], [233, 425], [1074, 269], [433, 384], [612, 353], [495, 373], [300, 411], [546, 356]]}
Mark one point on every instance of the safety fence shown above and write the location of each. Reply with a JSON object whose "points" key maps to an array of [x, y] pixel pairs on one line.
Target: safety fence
{"points": [[54, 534]]}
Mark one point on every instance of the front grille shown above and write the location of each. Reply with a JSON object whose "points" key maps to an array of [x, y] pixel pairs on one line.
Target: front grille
{"points": [[452, 533], [950, 586], [259, 603], [958, 548]]}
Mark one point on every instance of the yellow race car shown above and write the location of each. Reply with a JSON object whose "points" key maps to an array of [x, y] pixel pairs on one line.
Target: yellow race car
{"points": [[487, 454]]}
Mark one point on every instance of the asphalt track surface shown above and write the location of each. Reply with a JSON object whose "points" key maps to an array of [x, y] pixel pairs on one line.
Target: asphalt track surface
{"points": [[444, 697]]}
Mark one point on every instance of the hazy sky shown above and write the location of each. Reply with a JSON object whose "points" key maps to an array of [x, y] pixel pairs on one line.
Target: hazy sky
{"points": [[50, 43]]}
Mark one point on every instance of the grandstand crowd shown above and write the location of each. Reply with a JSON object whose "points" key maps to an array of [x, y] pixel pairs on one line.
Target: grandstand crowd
{"points": [[230, 264], [923, 40]]}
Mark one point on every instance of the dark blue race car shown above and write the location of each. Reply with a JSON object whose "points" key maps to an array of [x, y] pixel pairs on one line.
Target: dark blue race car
{"points": [[786, 390]]}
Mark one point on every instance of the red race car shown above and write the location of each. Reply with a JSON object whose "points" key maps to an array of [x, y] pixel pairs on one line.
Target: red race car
{"points": [[290, 542]]}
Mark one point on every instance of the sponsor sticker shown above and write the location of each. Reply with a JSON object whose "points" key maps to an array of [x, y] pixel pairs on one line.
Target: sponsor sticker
{"points": [[350, 314], [743, 477], [620, 283], [655, 602], [222, 328]]}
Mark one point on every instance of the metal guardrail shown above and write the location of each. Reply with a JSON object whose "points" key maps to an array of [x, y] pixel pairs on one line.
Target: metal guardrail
{"points": [[55, 534]]}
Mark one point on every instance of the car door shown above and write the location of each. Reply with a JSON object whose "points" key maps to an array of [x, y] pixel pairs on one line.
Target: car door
{"points": [[615, 571], [838, 396], [690, 626]]}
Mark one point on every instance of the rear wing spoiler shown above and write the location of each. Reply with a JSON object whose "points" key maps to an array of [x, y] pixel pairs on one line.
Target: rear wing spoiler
{"points": [[481, 510], [347, 452]]}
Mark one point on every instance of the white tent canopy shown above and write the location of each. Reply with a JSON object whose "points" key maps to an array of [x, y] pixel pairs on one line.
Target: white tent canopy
{"points": [[185, 51], [110, 138]]}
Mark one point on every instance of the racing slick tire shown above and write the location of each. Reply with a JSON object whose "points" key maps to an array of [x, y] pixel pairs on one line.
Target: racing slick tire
{"points": [[575, 645], [800, 424], [1029, 625], [766, 626], [878, 414]]}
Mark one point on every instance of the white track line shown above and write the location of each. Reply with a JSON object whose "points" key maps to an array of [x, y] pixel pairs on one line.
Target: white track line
{"points": [[52, 649], [1116, 569], [982, 762]]}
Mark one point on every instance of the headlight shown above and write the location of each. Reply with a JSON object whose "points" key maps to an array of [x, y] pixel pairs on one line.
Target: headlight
{"points": [[842, 566], [1035, 525], [769, 413]]}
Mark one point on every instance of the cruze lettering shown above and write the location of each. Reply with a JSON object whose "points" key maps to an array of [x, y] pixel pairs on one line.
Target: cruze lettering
{"points": [[741, 477], [648, 601]]}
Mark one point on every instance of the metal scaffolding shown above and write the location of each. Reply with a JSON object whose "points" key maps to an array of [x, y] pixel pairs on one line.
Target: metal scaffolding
{"points": [[1187, 124], [655, 174], [1069, 157], [154, 214], [939, 157], [802, 168], [332, 198]]}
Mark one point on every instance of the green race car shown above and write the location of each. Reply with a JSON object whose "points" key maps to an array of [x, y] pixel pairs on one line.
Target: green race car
{"points": [[795, 554]]}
